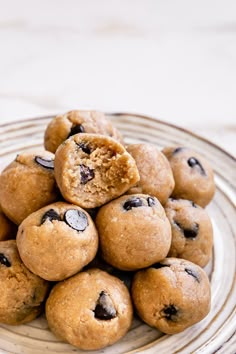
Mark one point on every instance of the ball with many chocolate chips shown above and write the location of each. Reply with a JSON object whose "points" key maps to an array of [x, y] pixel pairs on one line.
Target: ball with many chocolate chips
{"points": [[192, 233], [172, 295], [57, 241], [92, 169], [8, 229], [27, 184], [91, 310], [63, 126], [156, 177], [134, 232], [22, 292], [194, 178]]}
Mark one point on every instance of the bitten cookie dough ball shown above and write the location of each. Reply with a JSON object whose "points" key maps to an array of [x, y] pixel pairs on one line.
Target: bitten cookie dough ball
{"points": [[22, 292], [194, 179], [91, 170], [27, 184], [8, 230], [90, 310], [74, 122], [192, 233], [134, 232], [172, 295], [156, 177], [57, 241]]}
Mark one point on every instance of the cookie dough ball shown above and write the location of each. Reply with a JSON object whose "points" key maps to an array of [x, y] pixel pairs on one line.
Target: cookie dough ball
{"points": [[194, 179], [172, 295], [92, 169], [22, 292], [7, 228], [192, 233], [27, 184], [134, 232], [90, 310], [156, 177], [57, 241], [74, 122]]}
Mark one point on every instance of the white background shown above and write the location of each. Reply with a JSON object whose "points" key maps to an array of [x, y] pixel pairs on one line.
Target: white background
{"points": [[175, 60]]}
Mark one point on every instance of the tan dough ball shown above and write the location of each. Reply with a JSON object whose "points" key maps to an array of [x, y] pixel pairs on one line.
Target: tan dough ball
{"points": [[134, 232], [92, 169], [22, 292], [172, 295], [91, 310], [57, 241], [192, 233], [27, 184], [8, 229], [194, 179], [63, 126], [156, 177]]}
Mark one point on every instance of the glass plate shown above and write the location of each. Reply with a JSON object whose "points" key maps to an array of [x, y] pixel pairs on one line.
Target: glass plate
{"points": [[216, 333]]}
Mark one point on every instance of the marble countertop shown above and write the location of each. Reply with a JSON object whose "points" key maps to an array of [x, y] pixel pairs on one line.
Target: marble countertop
{"points": [[175, 60]]}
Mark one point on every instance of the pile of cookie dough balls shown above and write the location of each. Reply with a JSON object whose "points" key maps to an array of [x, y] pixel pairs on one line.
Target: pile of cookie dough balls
{"points": [[89, 212]]}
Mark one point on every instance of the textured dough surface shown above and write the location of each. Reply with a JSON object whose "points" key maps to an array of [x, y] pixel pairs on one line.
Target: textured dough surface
{"points": [[192, 233], [91, 170], [26, 186], [22, 292], [194, 182], [172, 296], [53, 249], [156, 177], [134, 238], [70, 310], [63, 126]]}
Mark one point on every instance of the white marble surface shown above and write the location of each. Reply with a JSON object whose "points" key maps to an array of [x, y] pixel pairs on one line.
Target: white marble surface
{"points": [[175, 60]]}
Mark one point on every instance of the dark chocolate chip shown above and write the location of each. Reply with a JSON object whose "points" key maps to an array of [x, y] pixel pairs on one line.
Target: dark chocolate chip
{"points": [[44, 162], [86, 174], [193, 162], [178, 149], [84, 147], [50, 215], [4, 260], [192, 273], [151, 201], [170, 312], [76, 129], [104, 309], [76, 219], [133, 203], [188, 233]]}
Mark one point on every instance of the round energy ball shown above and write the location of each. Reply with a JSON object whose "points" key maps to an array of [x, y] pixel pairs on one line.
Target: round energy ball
{"points": [[194, 179], [91, 310], [134, 232], [172, 295], [57, 241]]}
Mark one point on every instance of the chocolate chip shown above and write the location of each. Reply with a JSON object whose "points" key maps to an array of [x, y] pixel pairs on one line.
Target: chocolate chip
{"points": [[192, 273], [159, 265], [44, 162], [86, 174], [170, 312], [178, 149], [133, 203], [188, 233], [76, 219], [84, 147], [151, 201], [104, 309], [76, 129], [193, 162], [50, 215], [4, 260]]}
